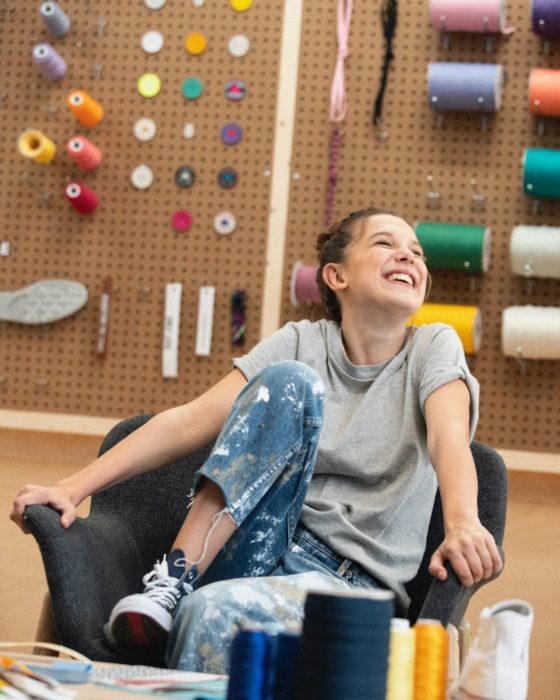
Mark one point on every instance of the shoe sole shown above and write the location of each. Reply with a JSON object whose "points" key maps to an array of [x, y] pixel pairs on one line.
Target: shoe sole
{"points": [[133, 629], [45, 301]]}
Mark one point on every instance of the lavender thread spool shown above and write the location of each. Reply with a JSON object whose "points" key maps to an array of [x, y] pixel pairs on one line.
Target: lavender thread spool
{"points": [[50, 63], [56, 21], [545, 18]]}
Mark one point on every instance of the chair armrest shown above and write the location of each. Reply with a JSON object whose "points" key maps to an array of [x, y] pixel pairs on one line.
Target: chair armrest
{"points": [[448, 600], [84, 570]]}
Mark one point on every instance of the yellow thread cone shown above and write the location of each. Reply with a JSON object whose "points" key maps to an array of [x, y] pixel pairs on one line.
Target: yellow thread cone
{"points": [[35, 145], [466, 320]]}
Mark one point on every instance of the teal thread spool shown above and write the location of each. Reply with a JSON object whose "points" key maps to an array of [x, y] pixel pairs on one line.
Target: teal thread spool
{"points": [[449, 246], [541, 173]]}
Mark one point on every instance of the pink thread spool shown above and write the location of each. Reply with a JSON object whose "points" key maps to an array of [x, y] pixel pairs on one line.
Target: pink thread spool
{"points": [[303, 285], [84, 152], [81, 197], [481, 16]]}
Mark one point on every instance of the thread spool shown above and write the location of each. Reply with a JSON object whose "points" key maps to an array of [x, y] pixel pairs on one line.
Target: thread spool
{"points": [[345, 645], [449, 246], [81, 197], [481, 16], [56, 20], [541, 173], [303, 285], [49, 61], [466, 320], [465, 87], [248, 661], [544, 92], [430, 673], [535, 251], [402, 650], [531, 332], [84, 152], [545, 18], [282, 679], [87, 111], [35, 145]]}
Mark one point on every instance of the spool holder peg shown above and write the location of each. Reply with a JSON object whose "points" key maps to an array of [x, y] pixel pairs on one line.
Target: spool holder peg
{"points": [[521, 361], [433, 196], [477, 198], [529, 279]]}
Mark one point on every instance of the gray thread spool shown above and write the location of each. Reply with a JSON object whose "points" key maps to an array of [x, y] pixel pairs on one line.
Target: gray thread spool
{"points": [[56, 21]]}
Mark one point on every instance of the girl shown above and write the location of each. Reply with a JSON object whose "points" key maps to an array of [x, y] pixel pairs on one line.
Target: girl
{"points": [[332, 438]]}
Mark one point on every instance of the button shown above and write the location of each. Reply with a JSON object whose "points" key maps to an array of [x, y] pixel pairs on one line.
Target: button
{"points": [[152, 42], [192, 88], [145, 129], [142, 177], [235, 89], [240, 5], [198, 3], [185, 176], [231, 133], [154, 4], [224, 223], [239, 45], [189, 130], [195, 43], [181, 221], [149, 85], [227, 178]]}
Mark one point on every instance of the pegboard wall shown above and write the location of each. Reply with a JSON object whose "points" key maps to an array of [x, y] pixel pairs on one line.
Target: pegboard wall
{"points": [[129, 237], [389, 165], [54, 368]]}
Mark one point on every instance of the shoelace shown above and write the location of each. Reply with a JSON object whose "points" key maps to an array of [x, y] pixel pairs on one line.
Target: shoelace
{"points": [[163, 588]]}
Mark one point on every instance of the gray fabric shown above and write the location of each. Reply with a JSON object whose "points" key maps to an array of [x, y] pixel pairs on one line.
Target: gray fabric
{"points": [[373, 487]]}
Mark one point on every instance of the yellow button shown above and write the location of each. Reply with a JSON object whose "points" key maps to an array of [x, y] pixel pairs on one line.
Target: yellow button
{"points": [[195, 43], [241, 5], [149, 85]]}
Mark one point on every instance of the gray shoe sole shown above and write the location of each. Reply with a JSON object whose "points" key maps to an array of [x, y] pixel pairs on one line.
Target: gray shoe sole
{"points": [[45, 301]]}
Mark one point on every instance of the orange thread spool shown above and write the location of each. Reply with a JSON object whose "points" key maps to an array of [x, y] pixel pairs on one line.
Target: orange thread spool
{"points": [[84, 152], [88, 112], [430, 670], [544, 92]]}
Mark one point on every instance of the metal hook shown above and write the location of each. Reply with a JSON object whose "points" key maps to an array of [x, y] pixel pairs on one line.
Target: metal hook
{"points": [[535, 206], [521, 362], [433, 196], [96, 70], [478, 199], [100, 27]]}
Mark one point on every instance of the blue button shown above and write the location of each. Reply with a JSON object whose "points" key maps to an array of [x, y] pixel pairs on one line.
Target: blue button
{"points": [[231, 133], [227, 178]]}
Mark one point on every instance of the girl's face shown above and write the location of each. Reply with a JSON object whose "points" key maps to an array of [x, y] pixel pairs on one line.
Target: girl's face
{"points": [[384, 265]]}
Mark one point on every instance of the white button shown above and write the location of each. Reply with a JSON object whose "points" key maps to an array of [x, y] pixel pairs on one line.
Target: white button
{"points": [[239, 45], [154, 4], [198, 3], [142, 177], [152, 41], [224, 223], [189, 130], [145, 129]]}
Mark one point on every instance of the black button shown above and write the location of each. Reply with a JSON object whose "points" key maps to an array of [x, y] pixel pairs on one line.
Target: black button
{"points": [[227, 178], [185, 176]]}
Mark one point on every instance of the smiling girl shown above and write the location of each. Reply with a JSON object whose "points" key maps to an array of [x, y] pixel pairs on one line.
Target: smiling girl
{"points": [[332, 438]]}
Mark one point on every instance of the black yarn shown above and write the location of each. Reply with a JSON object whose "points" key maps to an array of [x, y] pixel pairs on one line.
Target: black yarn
{"points": [[389, 12]]}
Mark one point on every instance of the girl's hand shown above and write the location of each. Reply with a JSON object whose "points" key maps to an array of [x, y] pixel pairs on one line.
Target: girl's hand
{"points": [[471, 551], [55, 496]]}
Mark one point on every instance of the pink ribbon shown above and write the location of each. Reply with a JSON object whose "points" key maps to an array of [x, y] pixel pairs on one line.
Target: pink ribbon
{"points": [[338, 91]]}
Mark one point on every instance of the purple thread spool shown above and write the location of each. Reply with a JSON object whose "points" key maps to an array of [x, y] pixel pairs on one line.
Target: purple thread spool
{"points": [[50, 63], [545, 17]]}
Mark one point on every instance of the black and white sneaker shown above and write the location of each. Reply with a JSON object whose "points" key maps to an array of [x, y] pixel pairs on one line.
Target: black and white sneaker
{"points": [[144, 619]]}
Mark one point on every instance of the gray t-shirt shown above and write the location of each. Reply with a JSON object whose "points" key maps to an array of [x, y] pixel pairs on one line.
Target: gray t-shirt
{"points": [[373, 487]]}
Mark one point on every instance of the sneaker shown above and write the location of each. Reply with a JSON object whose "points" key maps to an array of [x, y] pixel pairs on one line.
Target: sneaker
{"points": [[497, 664], [144, 619], [44, 301]]}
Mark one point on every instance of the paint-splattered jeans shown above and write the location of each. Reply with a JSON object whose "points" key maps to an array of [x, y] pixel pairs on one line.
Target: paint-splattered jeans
{"points": [[263, 461]]}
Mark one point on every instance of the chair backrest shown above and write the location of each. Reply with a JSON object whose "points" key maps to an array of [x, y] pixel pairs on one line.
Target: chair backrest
{"points": [[492, 501]]}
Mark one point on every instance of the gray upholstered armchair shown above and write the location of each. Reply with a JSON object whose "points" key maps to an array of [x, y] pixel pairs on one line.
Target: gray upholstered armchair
{"points": [[103, 557]]}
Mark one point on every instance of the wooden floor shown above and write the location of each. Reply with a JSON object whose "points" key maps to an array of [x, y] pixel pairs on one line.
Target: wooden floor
{"points": [[532, 548]]}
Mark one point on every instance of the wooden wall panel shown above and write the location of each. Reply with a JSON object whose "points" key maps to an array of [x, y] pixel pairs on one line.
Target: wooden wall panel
{"points": [[518, 410], [54, 368]]}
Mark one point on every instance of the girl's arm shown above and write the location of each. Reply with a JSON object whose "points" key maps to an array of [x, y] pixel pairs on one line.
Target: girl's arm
{"points": [[168, 436], [468, 546]]}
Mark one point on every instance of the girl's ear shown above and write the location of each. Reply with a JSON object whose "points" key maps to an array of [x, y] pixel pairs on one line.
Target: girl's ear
{"points": [[333, 277]]}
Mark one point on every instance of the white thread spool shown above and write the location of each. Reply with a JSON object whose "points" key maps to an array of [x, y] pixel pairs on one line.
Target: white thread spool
{"points": [[531, 332], [535, 251]]}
